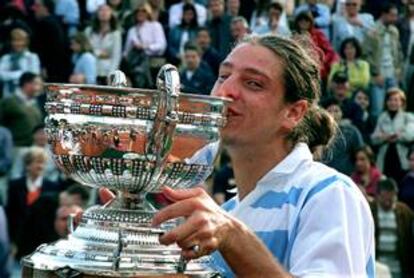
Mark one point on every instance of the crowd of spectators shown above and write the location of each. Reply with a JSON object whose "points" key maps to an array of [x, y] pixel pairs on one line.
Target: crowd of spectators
{"points": [[366, 54]]}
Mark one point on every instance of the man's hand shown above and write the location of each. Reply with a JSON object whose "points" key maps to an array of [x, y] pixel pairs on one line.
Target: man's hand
{"points": [[206, 225]]}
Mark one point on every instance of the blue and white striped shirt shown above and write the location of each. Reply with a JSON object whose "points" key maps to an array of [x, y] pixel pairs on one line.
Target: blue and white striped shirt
{"points": [[314, 220]]}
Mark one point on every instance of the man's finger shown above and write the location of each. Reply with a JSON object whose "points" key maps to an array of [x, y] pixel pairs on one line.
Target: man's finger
{"points": [[105, 195], [181, 194], [181, 232], [178, 209]]}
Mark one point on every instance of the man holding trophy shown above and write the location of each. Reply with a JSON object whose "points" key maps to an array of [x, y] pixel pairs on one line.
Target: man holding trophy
{"points": [[292, 216]]}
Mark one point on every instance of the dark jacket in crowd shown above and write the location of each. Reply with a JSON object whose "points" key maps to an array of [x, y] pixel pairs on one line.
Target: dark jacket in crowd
{"points": [[213, 59], [220, 34], [405, 245], [201, 82], [18, 211], [406, 192]]}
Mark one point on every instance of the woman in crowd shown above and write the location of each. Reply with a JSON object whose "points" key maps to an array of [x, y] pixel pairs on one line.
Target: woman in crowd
{"points": [[367, 125], [17, 62], [393, 132], [179, 35], [352, 64], [145, 40], [106, 41], [366, 174], [84, 61], [304, 24]]}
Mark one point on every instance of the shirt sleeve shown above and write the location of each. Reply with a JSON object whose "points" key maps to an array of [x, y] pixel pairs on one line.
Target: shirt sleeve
{"points": [[333, 241]]}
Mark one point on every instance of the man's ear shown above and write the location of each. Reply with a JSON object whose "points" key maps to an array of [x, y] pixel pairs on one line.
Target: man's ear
{"points": [[294, 113]]}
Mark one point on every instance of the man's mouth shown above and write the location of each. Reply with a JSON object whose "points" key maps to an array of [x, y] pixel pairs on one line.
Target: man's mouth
{"points": [[231, 112]]}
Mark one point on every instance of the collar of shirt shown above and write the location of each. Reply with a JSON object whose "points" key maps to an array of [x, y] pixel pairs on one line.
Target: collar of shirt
{"points": [[33, 185]]}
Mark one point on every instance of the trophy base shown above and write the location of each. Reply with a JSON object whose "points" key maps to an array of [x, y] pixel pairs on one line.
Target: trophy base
{"points": [[114, 242]]}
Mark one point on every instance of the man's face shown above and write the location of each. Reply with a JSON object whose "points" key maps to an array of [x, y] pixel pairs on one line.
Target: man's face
{"points": [[19, 44], [36, 167], [61, 220], [216, 8], [203, 39], [251, 77], [340, 90], [40, 138], [352, 7], [238, 30], [335, 111], [233, 6], [391, 17], [387, 199], [32, 89], [191, 59]]}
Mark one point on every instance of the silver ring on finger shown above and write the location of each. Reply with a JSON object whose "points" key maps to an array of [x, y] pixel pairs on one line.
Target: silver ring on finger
{"points": [[196, 249]]}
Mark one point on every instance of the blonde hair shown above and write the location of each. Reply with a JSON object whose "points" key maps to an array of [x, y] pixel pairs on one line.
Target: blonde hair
{"points": [[33, 154], [148, 9], [395, 91], [19, 34]]}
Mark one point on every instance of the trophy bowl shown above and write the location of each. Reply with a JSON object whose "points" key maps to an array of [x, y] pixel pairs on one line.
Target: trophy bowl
{"points": [[132, 141]]}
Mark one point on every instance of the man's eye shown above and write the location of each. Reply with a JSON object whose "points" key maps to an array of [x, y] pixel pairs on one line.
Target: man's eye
{"points": [[254, 84], [222, 77]]}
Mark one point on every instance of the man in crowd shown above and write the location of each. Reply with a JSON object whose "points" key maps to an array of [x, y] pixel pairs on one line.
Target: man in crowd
{"points": [[393, 230], [219, 27], [196, 76]]}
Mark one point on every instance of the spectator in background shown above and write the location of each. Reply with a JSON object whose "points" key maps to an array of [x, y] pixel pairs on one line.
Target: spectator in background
{"points": [[69, 13], [394, 130], [340, 154], [366, 174], [181, 34], [320, 13], [20, 115], [18, 61], [62, 217], [75, 195], [239, 28], [54, 54], [176, 11], [196, 77], [208, 54], [6, 159], [106, 41], [159, 13], [383, 51], [367, 126], [224, 184], [84, 71], [351, 24], [407, 185], [273, 26], [393, 230], [260, 15], [339, 90], [406, 29], [219, 27], [25, 191], [122, 12], [233, 8], [4, 246], [145, 40], [304, 25], [352, 65]]}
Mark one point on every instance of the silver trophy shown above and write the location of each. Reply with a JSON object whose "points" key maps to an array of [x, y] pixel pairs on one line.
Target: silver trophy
{"points": [[132, 141]]}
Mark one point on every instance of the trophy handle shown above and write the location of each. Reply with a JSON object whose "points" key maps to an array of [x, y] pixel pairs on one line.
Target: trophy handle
{"points": [[161, 136]]}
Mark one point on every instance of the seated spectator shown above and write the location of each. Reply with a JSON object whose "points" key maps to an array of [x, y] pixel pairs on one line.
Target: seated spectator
{"points": [[17, 62], [340, 154], [367, 126], [366, 174], [273, 26], [181, 34], [393, 230], [176, 12], [196, 76], [75, 194], [54, 55], [146, 39], [352, 65], [219, 27], [6, 159], [394, 130], [239, 28], [20, 115], [106, 41], [209, 54], [383, 52], [321, 14], [407, 185], [339, 91], [304, 25], [260, 15], [84, 62], [351, 24], [26, 191], [69, 13]]}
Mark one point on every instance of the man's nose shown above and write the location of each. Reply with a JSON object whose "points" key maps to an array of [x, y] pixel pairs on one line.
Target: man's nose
{"points": [[228, 88]]}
